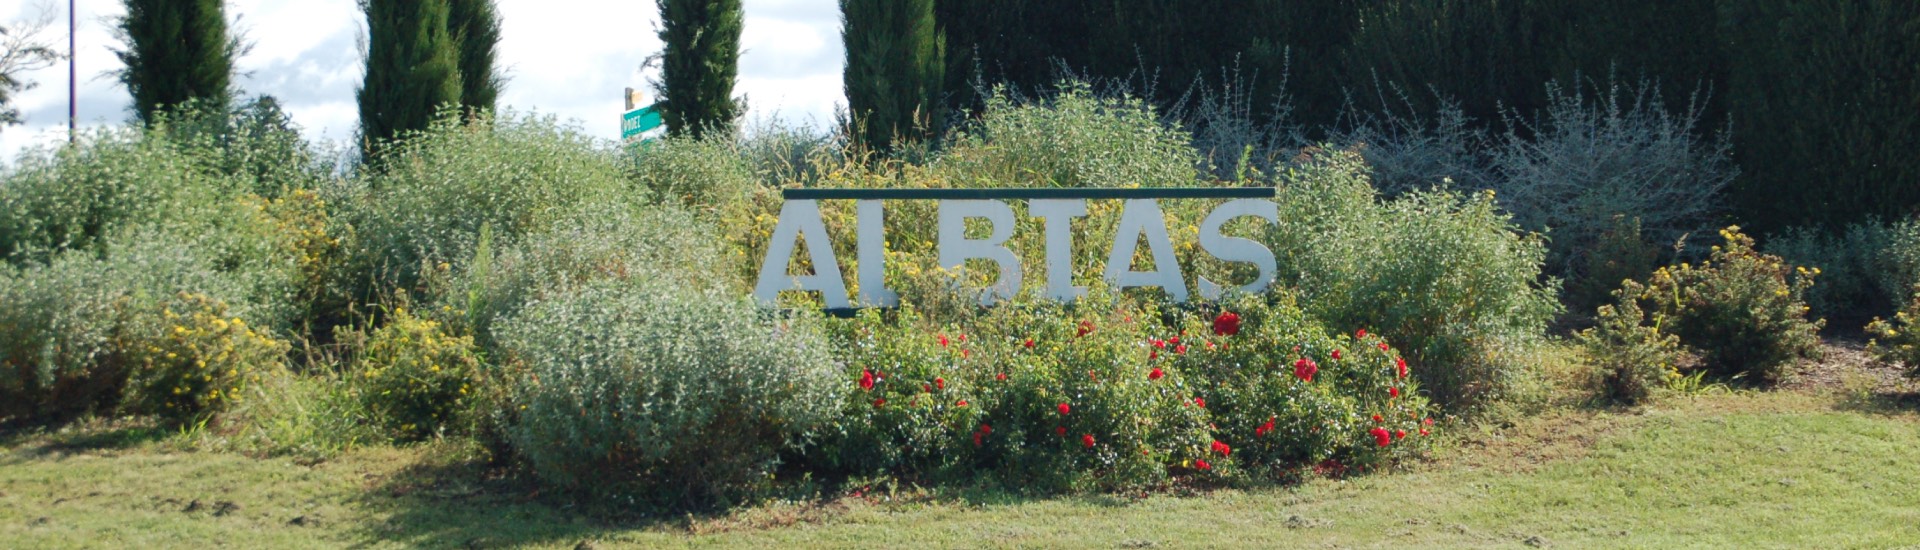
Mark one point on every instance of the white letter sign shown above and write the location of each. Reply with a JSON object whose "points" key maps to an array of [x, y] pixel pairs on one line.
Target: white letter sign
{"points": [[956, 248], [800, 219], [1235, 249], [1143, 216]]}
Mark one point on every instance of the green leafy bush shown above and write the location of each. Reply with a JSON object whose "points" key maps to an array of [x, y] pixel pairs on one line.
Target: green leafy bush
{"points": [[1895, 341], [708, 174], [1866, 270], [413, 377], [79, 197], [664, 394], [1073, 139], [1450, 276], [425, 203], [1745, 312]]}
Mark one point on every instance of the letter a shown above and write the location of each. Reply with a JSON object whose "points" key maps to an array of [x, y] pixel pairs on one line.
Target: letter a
{"points": [[800, 219], [1143, 216]]}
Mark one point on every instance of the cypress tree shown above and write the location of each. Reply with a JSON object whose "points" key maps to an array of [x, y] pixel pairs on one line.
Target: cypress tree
{"points": [[412, 67], [896, 66], [698, 67], [476, 25], [176, 51]]}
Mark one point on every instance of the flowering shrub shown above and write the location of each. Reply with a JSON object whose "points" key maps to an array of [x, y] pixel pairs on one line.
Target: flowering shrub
{"points": [[649, 390], [1744, 311], [1629, 357], [912, 397], [200, 361], [1281, 393], [1895, 341], [413, 377]]}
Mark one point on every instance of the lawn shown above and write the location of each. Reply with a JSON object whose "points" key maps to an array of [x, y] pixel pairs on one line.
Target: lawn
{"points": [[1797, 468]]}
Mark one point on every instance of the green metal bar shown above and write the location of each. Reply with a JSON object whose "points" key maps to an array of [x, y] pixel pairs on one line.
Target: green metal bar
{"points": [[1030, 193]]}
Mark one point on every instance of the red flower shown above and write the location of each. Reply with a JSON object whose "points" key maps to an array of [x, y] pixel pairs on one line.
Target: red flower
{"points": [[976, 438], [1153, 355], [985, 429], [866, 380], [1336, 355], [1086, 327], [1381, 436], [1304, 369], [1362, 333], [1062, 430], [1400, 363], [1428, 422], [1202, 465], [1377, 419], [965, 353], [1227, 324], [1264, 429], [962, 403], [1087, 439], [963, 338], [1158, 343], [1175, 340], [1393, 392], [1182, 348], [1200, 402], [943, 340], [1399, 434], [1092, 376], [1222, 448], [1064, 409], [1423, 431], [940, 383], [1383, 346], [1029, 343], [926, 388], [1155, 374], [877, 403], [1001, 377]]}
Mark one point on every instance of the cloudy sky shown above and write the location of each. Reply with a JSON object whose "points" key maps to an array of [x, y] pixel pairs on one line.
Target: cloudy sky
{"points": [[569, 58]]}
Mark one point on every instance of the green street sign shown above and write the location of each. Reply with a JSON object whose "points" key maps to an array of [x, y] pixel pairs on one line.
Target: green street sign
{"points": [[639, 121]]}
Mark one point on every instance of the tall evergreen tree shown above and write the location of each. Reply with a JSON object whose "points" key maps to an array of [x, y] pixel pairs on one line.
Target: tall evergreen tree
{"points": [[176, 50], [698, 67], [896, 66], [476, 25], [412, 67]]}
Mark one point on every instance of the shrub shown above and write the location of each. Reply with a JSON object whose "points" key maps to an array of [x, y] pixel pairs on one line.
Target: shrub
{"points": [[312, 416], [1072, 139], [1866, 270], [1621, 253], [1629, 357], [1281, 393], [1894, 341], [413, 377], [648, 390], [1744, 311], [199, 362], [706, 174], [80, 196], [1449, 276], [1588, 159], [1407, 151], [426, 202]]}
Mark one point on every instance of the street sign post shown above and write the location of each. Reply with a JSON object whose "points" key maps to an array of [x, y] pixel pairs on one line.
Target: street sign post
{"points": [[639, 121]]}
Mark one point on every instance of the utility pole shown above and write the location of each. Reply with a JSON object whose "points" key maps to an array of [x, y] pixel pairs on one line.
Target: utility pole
{"points": [[73, 72]]}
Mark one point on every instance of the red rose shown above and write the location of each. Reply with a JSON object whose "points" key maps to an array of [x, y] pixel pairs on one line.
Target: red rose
{"points": [[1153, 355], [1158, 343], [1393, 392], [1428, 422], [1062, 430], [963, 338], [1182, 348], [1400, 363], [1087, 439], [943, 340], [1201, 402], [1155, 374], [1383, 346], [1399, 434], [1227, 324], [1304, 369], [866, 380], [1086, 327], [965, 353], [1222, 448], [1064, 409], [1377, 419], [1202, 465], [1264, 429], [877, 403], [1381, 436], [1423, 431], [1336, 355], [1029, 343], [1001, 376], [985, 429], [940, 383], [976, 438], [1175, 340], [962, 403], [1359, 334], [926, 388]]}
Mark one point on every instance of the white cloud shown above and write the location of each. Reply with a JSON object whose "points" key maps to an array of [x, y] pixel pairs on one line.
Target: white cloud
{"points": [[569, 59]]}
